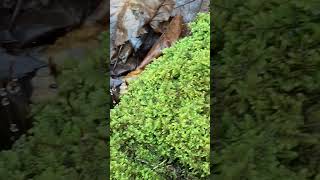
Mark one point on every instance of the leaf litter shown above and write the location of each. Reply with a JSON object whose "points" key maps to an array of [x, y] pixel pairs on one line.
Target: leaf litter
{"points": [[140, 30]]}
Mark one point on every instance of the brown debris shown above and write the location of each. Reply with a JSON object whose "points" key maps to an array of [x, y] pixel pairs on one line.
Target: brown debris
{"points": [[129, 18], [166, 40], [169, 37], [140, 30]]}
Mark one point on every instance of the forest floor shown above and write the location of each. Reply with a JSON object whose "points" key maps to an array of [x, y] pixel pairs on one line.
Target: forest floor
{"points": [[130, 53]]}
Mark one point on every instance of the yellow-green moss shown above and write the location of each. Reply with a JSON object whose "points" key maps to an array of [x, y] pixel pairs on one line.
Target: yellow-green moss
{"points": [[161, 127]]}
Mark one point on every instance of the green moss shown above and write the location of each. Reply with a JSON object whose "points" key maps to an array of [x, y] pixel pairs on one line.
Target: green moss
{"points": [[69, 139], [160, 129], [266, 64]]}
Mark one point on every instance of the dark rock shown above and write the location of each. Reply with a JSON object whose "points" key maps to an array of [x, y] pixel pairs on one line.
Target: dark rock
{"points": [[16, 72], [115, 82], [38, 22], [14, 110], [18, 66]]}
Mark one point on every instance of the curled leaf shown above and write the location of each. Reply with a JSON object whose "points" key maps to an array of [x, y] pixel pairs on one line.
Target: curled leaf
{"points": [[128, 17], [166, 40], [169, 37]]}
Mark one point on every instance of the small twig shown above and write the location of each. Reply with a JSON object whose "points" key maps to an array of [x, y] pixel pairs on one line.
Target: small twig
{"points": [[115, 64], [159, 164], [15, 13]]}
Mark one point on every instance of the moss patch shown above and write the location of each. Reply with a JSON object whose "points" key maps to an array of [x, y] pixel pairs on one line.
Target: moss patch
{"points": [[161, 127]]}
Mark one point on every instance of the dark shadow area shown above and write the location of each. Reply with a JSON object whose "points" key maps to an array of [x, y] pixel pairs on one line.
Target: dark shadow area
{"points": [[29, 30], [53, 82]]}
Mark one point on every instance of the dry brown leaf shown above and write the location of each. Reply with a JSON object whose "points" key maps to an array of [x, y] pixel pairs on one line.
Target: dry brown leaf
{"points": [[162, 15], [166, 39], [129, 17]]}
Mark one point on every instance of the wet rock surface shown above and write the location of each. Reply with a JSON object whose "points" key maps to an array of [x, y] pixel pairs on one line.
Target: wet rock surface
{"points": [[28, 22], [14, 109], [18, 66]]}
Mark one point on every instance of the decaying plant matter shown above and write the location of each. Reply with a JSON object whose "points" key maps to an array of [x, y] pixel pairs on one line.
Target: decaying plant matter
{"points": [[141, 30], [169, 37]]}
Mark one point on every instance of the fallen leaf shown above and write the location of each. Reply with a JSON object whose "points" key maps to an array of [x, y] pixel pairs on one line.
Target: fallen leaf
{"points": [[128, 19], [132, 75], [166, 39]]}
